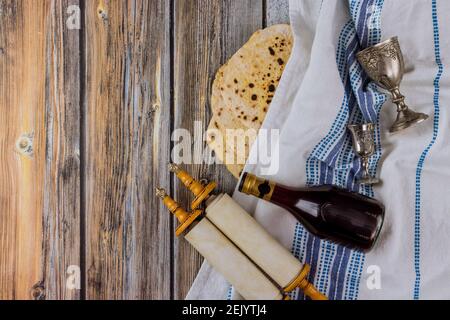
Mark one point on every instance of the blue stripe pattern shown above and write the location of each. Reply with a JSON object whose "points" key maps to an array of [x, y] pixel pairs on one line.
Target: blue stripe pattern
{"points": [[230, 294], [336, 270], [436, 98]]}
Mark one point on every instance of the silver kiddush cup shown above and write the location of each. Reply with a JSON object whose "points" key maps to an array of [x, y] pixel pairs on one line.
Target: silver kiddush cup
{"points": [[384, 64], [364, 146]]}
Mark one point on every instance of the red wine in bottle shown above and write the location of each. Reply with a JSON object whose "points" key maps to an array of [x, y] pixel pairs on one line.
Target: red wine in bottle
{"points": [[328, 212]]}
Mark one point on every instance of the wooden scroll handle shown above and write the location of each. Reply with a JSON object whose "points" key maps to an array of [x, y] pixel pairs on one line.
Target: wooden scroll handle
{"points": [[200, 191], [308, 288]]}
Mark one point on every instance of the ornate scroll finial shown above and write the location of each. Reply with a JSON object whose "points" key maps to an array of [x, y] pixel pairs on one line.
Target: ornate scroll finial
{"points": [[174, 168], [200, 191], [161, 193], [173, 206], [185, 218]]}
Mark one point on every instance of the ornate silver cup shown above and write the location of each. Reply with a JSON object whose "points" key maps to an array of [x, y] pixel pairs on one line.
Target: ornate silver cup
{"points": [[384, 64], [364, 146]]}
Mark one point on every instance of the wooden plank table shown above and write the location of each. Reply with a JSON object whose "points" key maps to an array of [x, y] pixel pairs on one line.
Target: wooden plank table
{"points": [[90, 92]]}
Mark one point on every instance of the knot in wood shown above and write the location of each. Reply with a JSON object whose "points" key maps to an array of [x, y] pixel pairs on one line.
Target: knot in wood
{"points": [[38, 291], [24, 145], [102, 13]]}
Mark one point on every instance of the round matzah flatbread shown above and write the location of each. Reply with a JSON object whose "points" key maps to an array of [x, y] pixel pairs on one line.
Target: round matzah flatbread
{"points": [[244, 88]]}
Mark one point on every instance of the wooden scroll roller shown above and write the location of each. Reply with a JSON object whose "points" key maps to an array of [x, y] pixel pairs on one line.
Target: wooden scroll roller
{"points": [[225, 257], [226, 224], [260, 246]]}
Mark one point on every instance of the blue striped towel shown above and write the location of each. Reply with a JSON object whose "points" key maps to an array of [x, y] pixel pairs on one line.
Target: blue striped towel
{"points": [[324, 89]]}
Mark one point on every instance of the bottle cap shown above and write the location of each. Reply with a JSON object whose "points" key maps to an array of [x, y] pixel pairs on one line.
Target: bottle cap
{"points": [[200, 191], [258, 187]]}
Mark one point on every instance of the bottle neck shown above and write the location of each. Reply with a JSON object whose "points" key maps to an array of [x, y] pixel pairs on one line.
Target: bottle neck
{"points": [[275, 193]]}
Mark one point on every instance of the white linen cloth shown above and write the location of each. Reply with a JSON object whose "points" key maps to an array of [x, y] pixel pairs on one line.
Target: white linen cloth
{"points": [[323, 90]]}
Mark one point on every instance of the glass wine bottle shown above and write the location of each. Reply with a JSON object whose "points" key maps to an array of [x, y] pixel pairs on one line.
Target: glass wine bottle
{"points": [[331, 213]]}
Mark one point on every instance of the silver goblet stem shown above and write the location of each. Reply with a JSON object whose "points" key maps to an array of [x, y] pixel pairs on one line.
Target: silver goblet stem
{"points": [[364, 146], [366, 178], [405, 116], [398, 99]]}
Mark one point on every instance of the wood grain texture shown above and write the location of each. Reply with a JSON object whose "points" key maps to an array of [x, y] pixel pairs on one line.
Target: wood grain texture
{"points": [[127, 148], [61, 207], [85, 132], [22, 144], [207, 34], [39, 183], [277, 11]]}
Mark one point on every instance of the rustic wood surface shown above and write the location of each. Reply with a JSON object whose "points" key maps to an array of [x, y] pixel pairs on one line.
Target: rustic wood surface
{"points": [[61, 208], [86, 117]]}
